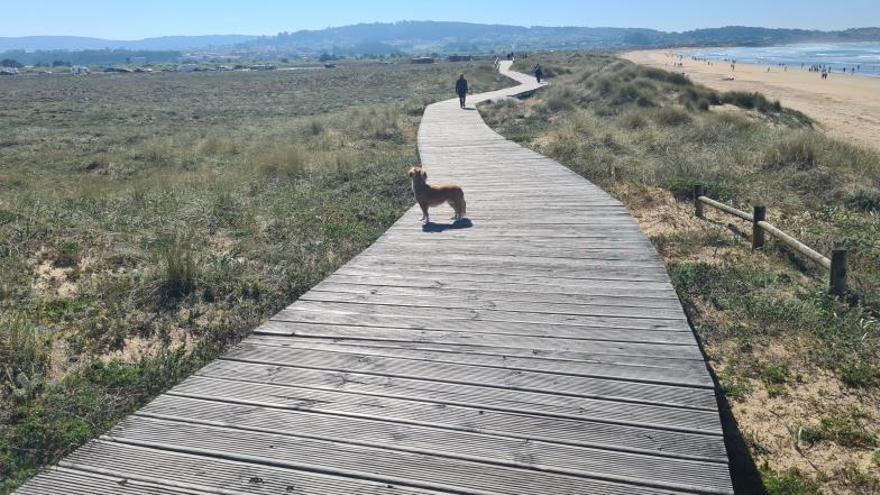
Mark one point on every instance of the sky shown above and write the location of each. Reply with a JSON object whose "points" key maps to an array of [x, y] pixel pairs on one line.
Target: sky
{"points": [[136, 19]]}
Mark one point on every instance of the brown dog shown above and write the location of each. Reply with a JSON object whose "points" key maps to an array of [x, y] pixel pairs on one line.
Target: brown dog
{"points": [[428, 196]]}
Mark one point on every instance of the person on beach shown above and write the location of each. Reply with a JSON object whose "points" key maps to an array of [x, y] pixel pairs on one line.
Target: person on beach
{"points": [[461, 87], [539, 73]]}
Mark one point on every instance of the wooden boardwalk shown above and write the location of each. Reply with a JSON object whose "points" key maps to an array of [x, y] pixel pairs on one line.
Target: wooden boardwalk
{"points": [[539, 351]]}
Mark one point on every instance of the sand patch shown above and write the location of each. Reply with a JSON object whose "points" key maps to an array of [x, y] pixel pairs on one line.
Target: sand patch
{"points": [[51, 280]]}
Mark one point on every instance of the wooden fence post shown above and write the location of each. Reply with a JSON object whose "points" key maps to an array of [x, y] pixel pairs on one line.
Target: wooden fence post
{"points": [[838, 272], [759, 214], [699, 190]]}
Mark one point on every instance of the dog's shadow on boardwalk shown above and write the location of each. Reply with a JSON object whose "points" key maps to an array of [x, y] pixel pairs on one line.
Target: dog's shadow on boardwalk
{"points": [[464, 223]]}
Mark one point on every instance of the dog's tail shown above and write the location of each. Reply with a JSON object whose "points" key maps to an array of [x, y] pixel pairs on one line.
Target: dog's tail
{"points": [[462, 205]]}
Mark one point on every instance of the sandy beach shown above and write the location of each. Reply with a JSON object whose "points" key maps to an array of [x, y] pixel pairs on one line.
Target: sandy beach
{"points": [[846, 106]]}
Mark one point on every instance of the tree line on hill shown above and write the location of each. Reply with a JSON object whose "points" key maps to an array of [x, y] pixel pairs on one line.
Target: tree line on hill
{"points": [[411, 38], [457, 37], [55, 58]]}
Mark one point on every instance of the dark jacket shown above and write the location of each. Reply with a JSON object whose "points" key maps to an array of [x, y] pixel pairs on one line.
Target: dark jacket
{"points": [[461, 86]]}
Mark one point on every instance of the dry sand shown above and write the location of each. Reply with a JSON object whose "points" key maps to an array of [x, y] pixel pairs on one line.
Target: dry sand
{"points": [[846, 106]]}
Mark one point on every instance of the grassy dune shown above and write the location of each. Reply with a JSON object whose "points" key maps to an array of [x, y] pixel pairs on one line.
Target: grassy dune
{"points": [[149, 221], [801, 369]]}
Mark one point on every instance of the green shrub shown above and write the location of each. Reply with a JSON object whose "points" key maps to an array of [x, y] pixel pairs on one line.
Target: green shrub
{"points": [[179, 267], [751, 101], [557, 99], [671, 116], [801, 152], [631, 92], [864, 200], [414, 107], [791, 482], [314, 127], [844, 428], [683, 188], [68, 254], [24, 354], [633, 120]]}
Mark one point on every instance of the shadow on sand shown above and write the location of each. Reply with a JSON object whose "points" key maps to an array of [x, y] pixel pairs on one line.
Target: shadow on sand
{"points": [[744, 472], [464, 223]]}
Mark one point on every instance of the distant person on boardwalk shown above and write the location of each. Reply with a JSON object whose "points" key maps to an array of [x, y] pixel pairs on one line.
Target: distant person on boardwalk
{"points": [[539, 73], [461, 87]]}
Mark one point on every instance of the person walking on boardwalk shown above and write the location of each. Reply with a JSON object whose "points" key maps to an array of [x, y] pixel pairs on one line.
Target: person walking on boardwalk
{"points": [[461, 87], [539, 73]]}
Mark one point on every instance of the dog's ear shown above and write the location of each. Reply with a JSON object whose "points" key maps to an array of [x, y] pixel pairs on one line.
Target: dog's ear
{"points": [[412, 172], [424, 174]]}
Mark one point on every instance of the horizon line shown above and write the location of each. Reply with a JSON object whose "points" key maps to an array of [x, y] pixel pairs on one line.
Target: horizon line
{"points": [[425, 21]]}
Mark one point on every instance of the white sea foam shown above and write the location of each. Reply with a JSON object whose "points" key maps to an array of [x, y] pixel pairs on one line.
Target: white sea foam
{"points": [[837, 56]]}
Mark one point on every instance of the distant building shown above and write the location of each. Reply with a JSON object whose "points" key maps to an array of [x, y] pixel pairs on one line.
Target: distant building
{"points": [[263, 67], [79, 70], [8, 71], [422, 60]]}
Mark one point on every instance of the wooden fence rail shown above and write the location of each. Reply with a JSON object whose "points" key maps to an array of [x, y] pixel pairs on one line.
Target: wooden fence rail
{"points": [[837, 265]]}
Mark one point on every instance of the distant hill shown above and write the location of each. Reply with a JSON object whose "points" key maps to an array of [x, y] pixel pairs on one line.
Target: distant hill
{"points": [[445, 37], [420, 37], [75, 43], [750, 36]]}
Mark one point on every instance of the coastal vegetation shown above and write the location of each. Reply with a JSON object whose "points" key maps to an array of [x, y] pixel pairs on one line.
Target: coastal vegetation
{"points": [[147, 222], [800, 368]]}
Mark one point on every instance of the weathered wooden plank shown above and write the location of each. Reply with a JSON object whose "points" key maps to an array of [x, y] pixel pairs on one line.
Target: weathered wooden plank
{"points": [[597, 388], [72, 482], [658, 292], [469, 332], [605, 317], [461, 342], [514, 269], [493, 276], [508, 400], [387, 254], [592, 431], [648, 374], [459, 302], [487, 292], [462, 445], [179, 468], [546, 339], [408, 469]]}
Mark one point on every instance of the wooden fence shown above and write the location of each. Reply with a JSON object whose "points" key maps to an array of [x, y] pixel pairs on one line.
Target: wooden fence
{"points": [[837, 265]]}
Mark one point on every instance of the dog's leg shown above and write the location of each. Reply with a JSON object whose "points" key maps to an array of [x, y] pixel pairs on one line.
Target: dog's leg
{"points": [[458, 205], [425, 218], [452, 203]]}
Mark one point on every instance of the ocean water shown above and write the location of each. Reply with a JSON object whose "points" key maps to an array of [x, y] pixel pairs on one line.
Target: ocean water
{"points": [[835, 55]]}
